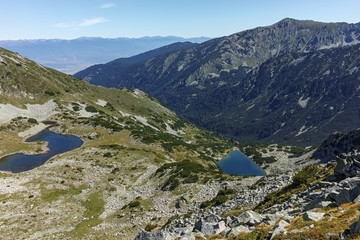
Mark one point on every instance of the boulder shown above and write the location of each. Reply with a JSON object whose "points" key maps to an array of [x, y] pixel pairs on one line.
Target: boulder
{"points": [[340, 197], [158, 235], [280, 228], [313, 216], [270, 219], [250, 218], [181, 202], [233, 221], [92, 135], [355, 227], [210, 225], [237, 230], [318, 203]]}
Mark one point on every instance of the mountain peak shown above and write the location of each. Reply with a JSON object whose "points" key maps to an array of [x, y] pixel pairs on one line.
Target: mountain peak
{"points": [[212, 65]]}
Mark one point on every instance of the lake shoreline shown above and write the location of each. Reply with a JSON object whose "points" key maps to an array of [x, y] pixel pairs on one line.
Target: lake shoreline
{"points": [[31, 132], [54, 144]]}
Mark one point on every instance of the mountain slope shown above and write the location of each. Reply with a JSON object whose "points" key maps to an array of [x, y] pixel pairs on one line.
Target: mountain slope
{"points": [[70, 56], [185, 79], [122, 64], [297, 98], [135, 161]]}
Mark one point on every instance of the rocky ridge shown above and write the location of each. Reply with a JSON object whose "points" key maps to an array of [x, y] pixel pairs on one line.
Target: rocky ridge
{"points": [[292, 82]]}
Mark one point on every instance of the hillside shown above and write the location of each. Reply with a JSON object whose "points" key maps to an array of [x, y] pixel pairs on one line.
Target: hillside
{"points": [[209, 84], [134, 163], [122, 64], [73, 55]]}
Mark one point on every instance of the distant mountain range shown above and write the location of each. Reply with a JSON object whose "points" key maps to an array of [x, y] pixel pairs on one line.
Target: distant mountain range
{"points": [[70, 56], [293, 82]]}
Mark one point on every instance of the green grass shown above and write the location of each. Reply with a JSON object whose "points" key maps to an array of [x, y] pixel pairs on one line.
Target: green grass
{"points": [[52, 195], [94, 206]]}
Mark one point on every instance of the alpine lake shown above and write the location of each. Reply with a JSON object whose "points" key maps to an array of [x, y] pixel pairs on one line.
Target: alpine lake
{"points": [[57, 144]]}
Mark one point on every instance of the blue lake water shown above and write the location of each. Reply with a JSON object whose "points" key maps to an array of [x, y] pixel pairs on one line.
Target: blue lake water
{"points": [[237, 163], [57, 144]]}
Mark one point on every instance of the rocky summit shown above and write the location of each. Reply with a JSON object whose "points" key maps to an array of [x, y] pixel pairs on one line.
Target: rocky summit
{"points": [[291, 82]]}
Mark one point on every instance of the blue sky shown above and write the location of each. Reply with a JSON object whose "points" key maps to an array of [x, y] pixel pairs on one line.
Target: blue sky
{"points": [[68, 19]]}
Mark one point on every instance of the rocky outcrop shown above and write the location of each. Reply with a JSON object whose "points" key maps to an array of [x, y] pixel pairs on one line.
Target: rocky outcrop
{"points": [[338, 143]]}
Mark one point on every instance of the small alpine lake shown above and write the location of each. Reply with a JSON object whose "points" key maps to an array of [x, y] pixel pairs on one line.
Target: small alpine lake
{"points": [[237, 163], [57, 144]]}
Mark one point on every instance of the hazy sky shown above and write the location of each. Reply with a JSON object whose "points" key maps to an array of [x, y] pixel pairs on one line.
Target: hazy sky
{"points": [[68, 19]]}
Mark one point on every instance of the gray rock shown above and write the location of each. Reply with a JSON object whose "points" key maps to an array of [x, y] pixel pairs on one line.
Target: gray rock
{"points": [[354, 193], [313, 216], [210, 225], [329, 235], [340, 197], [237, 230], [270, 219], [280, 228], [158, 235], [92, 135], [250, 218], [355, 227], [357, 199], [181, 202], [232, 221], [317, 203], [315, 195]]}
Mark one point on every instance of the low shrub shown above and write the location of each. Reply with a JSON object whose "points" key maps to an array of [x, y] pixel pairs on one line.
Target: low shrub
{"points": [[306, 174], [150, 227], [32, 120], [134, 204], [91, 109]]}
